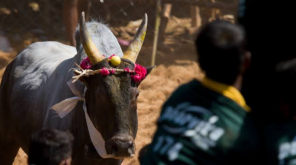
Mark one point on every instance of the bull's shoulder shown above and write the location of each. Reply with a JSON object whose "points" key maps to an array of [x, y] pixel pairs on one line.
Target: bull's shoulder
{"points": [[39, 61], [53, 46]]}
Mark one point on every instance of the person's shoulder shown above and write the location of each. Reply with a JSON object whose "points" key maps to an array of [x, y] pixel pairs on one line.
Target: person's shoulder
{"points": [[185, 91], [191, 86]]}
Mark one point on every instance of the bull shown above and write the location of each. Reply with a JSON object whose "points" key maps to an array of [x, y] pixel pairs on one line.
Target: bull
{"points": [[37, 79]]}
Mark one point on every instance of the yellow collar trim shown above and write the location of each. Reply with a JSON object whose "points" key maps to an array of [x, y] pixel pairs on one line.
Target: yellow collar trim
{"points": [[226, 90]]}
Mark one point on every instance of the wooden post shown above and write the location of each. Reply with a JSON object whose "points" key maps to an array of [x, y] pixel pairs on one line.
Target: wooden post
{"points": [[167, 8], [195, 17], [156, 29], [213, 14], [216, 13]]}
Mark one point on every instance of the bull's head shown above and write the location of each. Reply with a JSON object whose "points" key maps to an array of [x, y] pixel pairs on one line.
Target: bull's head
{"points": [[111, 100]]}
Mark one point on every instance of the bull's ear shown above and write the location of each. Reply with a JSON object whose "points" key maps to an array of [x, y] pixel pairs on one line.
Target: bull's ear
{"points": [[149, 69]]}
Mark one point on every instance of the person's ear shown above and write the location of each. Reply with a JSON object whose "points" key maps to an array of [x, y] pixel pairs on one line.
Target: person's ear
{"points": [[66, 161], [247, 61]]}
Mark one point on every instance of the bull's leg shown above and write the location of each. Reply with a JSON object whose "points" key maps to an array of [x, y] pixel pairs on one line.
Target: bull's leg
{"points": [[8, 150]]}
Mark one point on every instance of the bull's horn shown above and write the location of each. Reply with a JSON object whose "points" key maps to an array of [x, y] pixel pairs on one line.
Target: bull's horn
{"points": [[133, 50], [90, 48]]}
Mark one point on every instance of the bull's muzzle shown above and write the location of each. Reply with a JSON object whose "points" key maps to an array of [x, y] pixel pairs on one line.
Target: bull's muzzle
{"points": [[121, 146]]}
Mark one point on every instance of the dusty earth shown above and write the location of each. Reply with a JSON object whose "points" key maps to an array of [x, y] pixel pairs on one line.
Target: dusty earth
{"points": [[175, 65]]}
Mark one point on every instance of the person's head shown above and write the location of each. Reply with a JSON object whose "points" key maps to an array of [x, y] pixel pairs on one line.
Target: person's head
{"points": [[50, 147], [285, 88], [222, 53]]}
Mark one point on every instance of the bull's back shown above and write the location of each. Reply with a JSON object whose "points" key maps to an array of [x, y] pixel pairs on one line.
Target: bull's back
{"points": [[24, 94]]}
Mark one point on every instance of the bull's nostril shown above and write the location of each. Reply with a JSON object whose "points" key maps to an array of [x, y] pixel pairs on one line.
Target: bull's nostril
{"points": [[130, 144], [115, 148], [121, 146]]}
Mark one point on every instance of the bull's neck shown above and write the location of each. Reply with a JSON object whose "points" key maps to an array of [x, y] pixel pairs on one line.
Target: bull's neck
{"points": [[78, 122], [79, 56]]}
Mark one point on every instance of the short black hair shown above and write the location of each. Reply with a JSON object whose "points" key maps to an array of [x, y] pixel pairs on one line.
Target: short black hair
{"points": [[221, 46], [50, 147]]}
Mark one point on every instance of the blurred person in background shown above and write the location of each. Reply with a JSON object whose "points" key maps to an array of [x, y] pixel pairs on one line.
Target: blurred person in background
{"points": [[270, 34], [269, 83], [50, 147], [280, 136], [206, 122]]}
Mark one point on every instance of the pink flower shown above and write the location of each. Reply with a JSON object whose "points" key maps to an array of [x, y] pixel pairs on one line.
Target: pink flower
{"points": [[85, 64], [140, 73], [127, 70], [109, 58], [136, 78], [104, 72], [112, 71]]}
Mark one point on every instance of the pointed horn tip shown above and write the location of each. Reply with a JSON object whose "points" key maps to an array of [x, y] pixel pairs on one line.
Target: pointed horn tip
{"points": [[152, 67], [145, 17], [82, 19]]}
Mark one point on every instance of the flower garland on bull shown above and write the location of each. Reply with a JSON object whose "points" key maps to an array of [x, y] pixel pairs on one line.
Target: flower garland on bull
{"points": [[137, 74]]}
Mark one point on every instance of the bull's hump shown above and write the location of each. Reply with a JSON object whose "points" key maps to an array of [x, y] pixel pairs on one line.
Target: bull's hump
{"points": [[53, 47], [37, 62], [104, 39]]}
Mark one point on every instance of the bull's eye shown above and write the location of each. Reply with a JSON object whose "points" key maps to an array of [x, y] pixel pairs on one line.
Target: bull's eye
{"points": [[134, 96], [134, 93]]}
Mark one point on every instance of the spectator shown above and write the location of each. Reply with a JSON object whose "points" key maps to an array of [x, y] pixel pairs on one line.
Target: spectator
{"points": [[206, 122], [280, 136], [50, 147]]}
